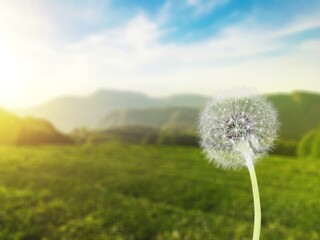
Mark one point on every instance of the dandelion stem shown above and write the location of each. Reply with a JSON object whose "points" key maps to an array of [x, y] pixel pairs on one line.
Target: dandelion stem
{"points": [[256, 197]]}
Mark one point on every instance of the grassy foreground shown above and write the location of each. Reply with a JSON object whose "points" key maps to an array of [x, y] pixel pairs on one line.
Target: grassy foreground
{"points": [[149, 192]]}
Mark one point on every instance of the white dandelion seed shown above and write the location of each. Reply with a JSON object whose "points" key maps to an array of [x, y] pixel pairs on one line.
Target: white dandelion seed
{"points": [[237, 127]]}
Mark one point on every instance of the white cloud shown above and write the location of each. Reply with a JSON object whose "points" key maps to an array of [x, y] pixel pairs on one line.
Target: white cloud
{"points": [[127, 47], [135, 56], [300, 24]]}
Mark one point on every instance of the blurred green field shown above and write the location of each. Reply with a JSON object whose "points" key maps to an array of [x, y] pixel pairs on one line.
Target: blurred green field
{"points": [[122, 191]]}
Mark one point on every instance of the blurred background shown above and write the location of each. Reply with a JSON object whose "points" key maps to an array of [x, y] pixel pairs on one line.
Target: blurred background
{"points": [[99, 109]]}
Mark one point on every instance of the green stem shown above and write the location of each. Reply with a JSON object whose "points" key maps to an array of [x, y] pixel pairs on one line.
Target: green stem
{"points": [[256, 197]]}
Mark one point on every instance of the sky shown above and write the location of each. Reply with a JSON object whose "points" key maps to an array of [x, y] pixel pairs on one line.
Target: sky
{"points": [[50, 48]]}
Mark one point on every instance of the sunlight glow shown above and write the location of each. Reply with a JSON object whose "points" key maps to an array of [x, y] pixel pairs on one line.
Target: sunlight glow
{"points": [[8, 76]]}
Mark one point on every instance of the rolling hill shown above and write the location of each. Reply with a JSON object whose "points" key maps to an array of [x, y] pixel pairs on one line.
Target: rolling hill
{"points": [[26, 131], [298, 112]]}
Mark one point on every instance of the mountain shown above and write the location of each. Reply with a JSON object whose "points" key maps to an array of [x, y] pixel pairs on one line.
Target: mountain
{"points": [[68, 113], [25, 131], [298, 113], [177, 118]]}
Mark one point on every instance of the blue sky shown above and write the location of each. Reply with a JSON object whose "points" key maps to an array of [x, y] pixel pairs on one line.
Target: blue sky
{"points": [[181, 20], [161, 47]]}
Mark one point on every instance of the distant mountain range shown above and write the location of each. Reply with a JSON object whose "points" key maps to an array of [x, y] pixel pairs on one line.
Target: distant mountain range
{"points": [[70, 112], [299, 112], [173, 118]]}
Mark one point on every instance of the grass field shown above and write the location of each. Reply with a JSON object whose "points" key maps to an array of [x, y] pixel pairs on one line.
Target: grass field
{"points": [[149, 192]]}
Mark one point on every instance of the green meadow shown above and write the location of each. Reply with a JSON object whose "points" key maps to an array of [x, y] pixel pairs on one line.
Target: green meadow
{"points": [[123, 191]]}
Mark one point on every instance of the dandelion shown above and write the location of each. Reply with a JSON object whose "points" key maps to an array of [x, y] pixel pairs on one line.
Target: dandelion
{"points": [[237, 127]]}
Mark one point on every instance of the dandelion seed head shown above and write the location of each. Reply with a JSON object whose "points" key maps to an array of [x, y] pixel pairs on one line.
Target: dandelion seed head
{"points": [[232, 118]]}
